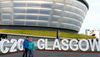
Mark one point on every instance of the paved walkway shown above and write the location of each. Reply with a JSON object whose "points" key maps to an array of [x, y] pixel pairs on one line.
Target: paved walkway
{"points": [[55, 54]]}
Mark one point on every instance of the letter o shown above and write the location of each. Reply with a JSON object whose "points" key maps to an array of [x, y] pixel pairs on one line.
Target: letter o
{"points": [[87, 45]]}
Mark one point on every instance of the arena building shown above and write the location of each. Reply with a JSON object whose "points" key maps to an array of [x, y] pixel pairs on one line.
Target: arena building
{"points": [[63, 15]]}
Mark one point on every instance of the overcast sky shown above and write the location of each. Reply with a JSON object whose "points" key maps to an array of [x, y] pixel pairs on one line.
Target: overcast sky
{"points": [[92, 19]]}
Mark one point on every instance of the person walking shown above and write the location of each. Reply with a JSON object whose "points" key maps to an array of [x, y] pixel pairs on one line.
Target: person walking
{"points": [[25, 46], [31, 47]]}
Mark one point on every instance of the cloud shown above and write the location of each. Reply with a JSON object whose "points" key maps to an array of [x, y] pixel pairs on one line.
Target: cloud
{"points": [[96, 4]]}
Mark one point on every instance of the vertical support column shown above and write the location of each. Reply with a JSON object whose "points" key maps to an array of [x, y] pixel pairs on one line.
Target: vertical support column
{"points": [[86, 31], [0, 14], [12, 12], [58, 34]]}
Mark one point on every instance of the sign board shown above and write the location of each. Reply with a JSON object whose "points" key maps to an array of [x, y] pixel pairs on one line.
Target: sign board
{"points": [[64, 44]]}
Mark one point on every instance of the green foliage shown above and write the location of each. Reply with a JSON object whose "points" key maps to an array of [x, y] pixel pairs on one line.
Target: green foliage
{"points": [[46, 33]]}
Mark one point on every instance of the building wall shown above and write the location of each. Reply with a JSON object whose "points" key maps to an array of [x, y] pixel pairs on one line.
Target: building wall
{"points": [[36, 28], [91, 32], [65, 14]]}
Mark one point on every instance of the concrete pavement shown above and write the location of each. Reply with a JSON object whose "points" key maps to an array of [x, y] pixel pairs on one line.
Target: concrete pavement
{"points": [[55, 54]]}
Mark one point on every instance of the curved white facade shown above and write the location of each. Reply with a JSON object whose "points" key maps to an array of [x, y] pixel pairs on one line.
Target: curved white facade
{"points": [[66, 14]]}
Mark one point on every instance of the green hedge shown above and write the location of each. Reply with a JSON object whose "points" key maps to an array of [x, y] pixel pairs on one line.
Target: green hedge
{"points": [[46, 33]]}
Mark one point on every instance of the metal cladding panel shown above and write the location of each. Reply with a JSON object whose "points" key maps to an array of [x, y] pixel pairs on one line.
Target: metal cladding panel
{"points": [[65, 14]]}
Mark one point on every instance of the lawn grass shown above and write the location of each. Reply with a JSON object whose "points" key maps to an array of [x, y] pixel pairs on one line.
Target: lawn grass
{"points": [[75, 36], [47, 33]]}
